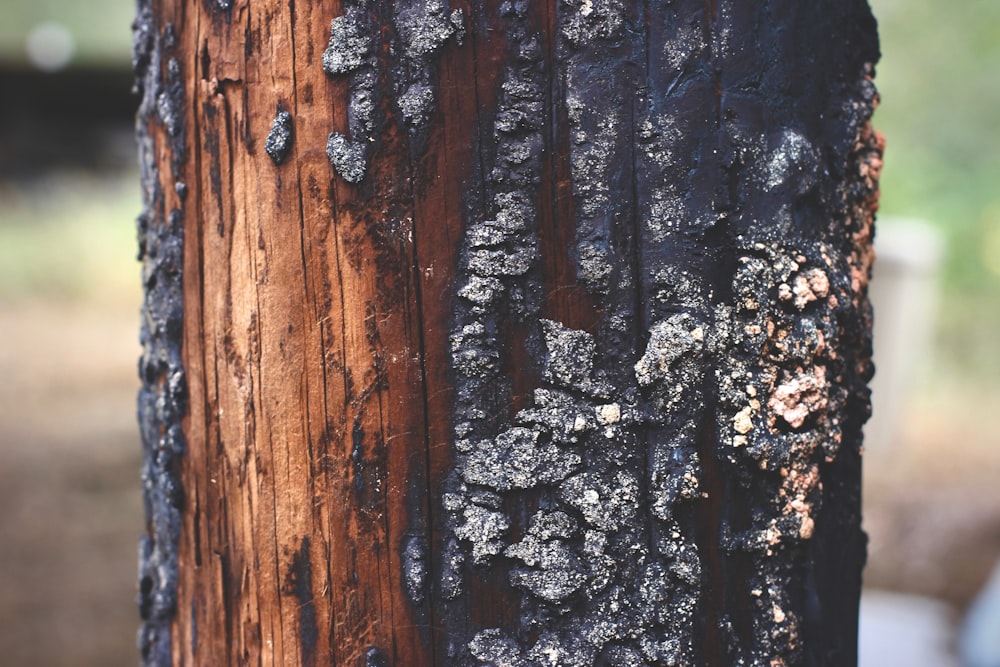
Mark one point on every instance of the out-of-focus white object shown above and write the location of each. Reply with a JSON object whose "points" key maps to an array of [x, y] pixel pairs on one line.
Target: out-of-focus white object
{"points": [[979, 643], [50, 46], [903, 291], [904, 631]]}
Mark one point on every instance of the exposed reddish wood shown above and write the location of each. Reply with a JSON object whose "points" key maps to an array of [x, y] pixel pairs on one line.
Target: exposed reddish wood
{"points": [[307, 418]]}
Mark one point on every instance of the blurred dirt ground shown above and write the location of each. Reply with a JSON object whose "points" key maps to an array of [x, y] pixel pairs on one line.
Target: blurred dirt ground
{"points": [[70, 509], [932, 498]]}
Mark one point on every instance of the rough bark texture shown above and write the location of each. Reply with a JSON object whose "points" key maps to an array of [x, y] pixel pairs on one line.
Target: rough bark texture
{"points": [[504, 333]]}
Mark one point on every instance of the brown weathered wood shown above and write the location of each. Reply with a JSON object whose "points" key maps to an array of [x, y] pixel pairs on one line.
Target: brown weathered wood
{"points": [[369, 246]]}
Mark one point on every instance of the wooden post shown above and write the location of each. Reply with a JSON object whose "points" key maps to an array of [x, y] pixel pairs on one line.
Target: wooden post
{"points": [[505, 332]]}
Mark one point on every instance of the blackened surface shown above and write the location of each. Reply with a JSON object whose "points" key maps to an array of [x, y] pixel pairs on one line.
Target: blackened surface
{"points": [[210, 134], [497, 291], [170, 110], [376, 658], [298, 582], [688, 472], [162, 398]]}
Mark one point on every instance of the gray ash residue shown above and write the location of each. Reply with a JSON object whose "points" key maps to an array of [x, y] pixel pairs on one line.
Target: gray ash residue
{"points": [[353, 52], [409, 65], [279, 139]]}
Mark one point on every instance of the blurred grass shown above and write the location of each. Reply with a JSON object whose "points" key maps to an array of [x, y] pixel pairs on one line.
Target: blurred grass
{"points": [[69, 236]]}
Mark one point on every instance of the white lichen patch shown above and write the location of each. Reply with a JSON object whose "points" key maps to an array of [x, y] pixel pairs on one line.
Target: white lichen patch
{"points": [[349, 158], [793, 161], [688, 40], [593, 20], [518, 458], [561, 415], [608, 414], [604, 504], [416, 103], [667, 209], [670, 340], [424, 26], [553, 570], [481, 291], [349, 45], [493, 648], [470, 355], [569, 357], [483, 528]]}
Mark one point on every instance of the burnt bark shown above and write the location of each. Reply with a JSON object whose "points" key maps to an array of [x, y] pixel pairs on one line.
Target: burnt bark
{"points": [[504, 333]]}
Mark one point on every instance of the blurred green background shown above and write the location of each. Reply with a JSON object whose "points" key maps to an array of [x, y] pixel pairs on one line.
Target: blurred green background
{"points": [[99, 29], [940, 84], [69, 294]]}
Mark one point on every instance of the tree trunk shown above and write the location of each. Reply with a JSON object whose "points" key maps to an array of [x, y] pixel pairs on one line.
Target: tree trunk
{"points": [[504, 333]]}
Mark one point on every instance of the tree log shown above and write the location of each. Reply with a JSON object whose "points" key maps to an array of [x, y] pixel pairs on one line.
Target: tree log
{"points": [[504, 333]]}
